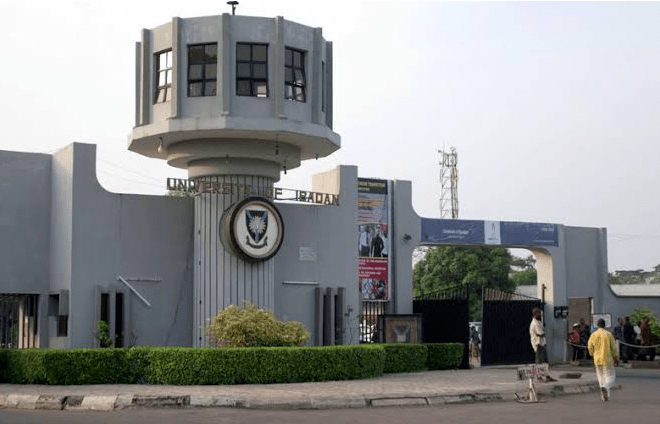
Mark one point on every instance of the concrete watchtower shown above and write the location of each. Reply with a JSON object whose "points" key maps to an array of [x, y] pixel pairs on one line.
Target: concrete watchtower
{"points": [[235, 100]]}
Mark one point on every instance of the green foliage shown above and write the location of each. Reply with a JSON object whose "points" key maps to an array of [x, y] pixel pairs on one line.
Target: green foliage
{"points": [[526, 277], [86, 366], [198, 366], [639, 314], [523, 264], [476, 267], [250, 326], [444, 355], [25, 366], [261, 365], [103, 334], [405, 357]]}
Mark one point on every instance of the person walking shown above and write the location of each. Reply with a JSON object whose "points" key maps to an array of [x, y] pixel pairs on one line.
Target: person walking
{"points": [[537, 336], [602, 347]]}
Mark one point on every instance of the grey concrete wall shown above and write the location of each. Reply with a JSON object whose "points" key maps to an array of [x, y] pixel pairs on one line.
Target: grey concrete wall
{"points": [[576, 268], [329, 232], [147, 238], [25, 184], [404, 238]]}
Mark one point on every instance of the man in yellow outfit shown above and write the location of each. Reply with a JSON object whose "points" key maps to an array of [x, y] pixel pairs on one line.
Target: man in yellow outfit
{"points": [[602, 347]]}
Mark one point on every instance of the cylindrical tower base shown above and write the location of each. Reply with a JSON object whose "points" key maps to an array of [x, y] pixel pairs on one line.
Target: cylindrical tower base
{"points": [[221, 278]]}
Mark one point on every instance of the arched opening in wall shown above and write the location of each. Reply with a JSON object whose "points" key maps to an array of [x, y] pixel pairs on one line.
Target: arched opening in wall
{"points": [[523, 272], [451, 284]]}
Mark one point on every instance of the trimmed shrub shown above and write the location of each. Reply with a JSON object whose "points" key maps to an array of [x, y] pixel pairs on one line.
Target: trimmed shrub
{"points": [[444, 356], [405, 357], [26, 366], [4, 364], [262, 365], [250, 326], [197, 366], [86, 366]]}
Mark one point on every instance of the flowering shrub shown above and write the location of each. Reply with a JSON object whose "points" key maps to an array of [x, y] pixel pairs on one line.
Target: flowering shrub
{"points": [[250, 326]]}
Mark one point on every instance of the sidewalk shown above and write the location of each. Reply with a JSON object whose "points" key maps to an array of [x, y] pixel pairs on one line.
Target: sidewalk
{"points": [[411, 389]]}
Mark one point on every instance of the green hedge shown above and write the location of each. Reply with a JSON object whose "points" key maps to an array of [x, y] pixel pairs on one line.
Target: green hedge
{"points": [[405, 357], [444, 355], [198, 366]]}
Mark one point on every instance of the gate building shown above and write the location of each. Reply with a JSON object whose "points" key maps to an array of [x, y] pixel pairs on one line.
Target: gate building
{"points": [[236, 101]]}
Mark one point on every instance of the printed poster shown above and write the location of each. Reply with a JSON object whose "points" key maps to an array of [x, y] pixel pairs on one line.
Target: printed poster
{"points": [[373, 238]]}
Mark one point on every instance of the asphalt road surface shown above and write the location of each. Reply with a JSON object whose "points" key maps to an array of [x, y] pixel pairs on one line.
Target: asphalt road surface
{"points": [[638, 402]]}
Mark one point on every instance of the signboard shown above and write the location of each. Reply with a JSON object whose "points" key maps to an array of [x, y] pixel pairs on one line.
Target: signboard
{"points": [[606, 317], [373, 238], [252, 229], [463, 231]]}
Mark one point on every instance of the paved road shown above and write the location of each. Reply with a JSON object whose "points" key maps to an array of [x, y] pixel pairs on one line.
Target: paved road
{"points": [[637, 402]]}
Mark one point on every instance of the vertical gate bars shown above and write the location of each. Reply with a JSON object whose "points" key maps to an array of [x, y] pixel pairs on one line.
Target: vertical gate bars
{"points": [[369, 320]]}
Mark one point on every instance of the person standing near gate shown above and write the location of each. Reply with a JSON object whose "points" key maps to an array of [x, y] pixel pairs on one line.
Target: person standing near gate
{"points": [[537, 336], [602, 347]]}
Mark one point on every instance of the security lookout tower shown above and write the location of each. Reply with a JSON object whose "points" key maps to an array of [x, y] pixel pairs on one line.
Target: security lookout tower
{"points": [[235, 100]]}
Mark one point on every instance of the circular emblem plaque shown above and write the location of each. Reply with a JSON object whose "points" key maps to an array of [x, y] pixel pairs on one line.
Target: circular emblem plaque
{"points": [[253, 229]]}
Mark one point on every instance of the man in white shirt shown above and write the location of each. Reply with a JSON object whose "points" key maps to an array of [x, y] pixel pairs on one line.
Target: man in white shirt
{"points": [[537, 336]]}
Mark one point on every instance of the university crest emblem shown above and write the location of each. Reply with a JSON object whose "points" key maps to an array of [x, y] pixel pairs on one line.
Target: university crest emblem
{"points": [[256, 222]]}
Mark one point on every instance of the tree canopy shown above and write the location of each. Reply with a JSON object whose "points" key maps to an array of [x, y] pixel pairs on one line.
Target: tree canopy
{"points": [[475, 267]]}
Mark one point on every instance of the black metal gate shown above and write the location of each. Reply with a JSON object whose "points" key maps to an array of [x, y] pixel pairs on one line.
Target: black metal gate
{"points": [[19, 321], [505, 328], [445, 318]]}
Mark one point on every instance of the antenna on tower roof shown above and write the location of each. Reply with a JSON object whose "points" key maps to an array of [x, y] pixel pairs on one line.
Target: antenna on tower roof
{"points": [[233, 4]]}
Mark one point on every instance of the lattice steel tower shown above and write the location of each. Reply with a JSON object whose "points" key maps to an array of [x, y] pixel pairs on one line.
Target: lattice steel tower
{"points": [[448, 183]]}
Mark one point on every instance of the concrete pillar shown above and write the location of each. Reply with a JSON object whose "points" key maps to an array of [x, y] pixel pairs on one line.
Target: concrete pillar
{"points": [[221, 278]]}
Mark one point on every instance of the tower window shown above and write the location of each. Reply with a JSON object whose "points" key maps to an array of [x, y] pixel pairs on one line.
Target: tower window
{"points": [[202, 69], [252, 69], [294, 74], [163, 76]]}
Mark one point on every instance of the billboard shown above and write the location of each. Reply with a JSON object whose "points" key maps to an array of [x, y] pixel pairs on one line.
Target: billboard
{"points": [[463, 231], [373, 227]]}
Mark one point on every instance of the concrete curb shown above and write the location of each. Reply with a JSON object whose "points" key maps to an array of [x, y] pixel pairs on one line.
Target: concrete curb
{"points": [[116, 402]]}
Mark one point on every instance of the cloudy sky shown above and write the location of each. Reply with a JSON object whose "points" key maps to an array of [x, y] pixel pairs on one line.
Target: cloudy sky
{"points": [[554, 108]]}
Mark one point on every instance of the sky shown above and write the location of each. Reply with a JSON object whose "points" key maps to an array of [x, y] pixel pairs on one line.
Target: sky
{"points": [[553, 107]]}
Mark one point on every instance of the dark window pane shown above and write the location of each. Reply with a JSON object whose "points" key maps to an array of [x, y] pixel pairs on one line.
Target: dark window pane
{"points": [[243, 88], [209, 88], [243, 52], [211, 71], [299, 77], [195, 89], [288, 57], [260, 53], [211, 52], [288, 92], [297, 59], [260, 89], [288, 74], [195, 54], [243, 70], [259, 71], [196, 72]]}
